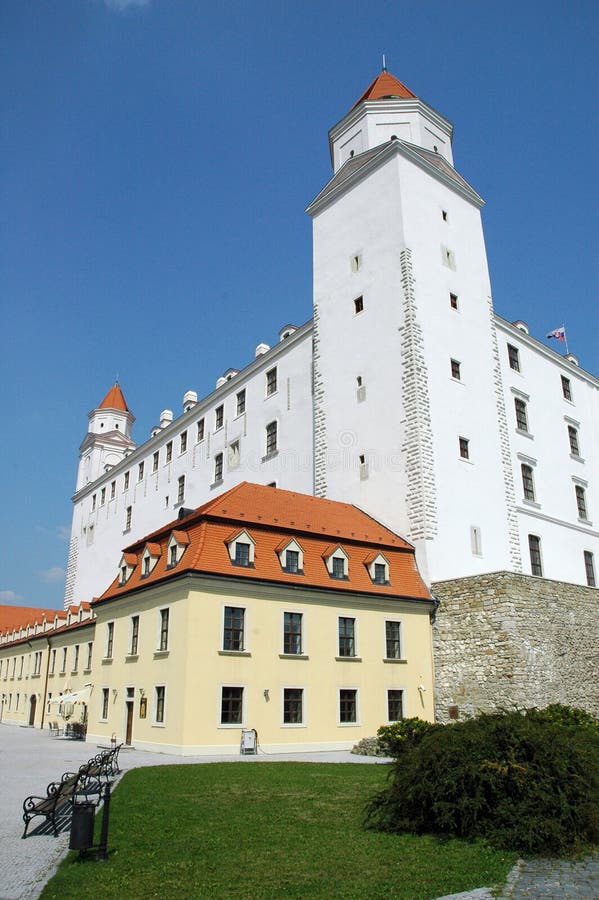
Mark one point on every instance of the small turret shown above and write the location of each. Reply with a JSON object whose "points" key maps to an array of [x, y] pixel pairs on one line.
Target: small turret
{"points": [[108, 438]]}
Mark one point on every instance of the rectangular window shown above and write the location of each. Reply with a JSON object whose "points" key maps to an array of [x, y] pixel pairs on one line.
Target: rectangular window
{"points": [[292, 561], [271, 438], [231, 708], [183, 443], [241, 402], [146, 566], [348, 711], [172, 556], [234, 454], [159, 701], [566, 388], [392, 640], [134, 635], [128, 517], [94, 500], [218, 467], [200, 434], [219, 416], [163, 641], [103, 496], [528, 485], [455, 369], [534, 547], [52, 662], [347, 634], [105, 700], [338, 567], [394, 705], [292, 633], [380, 573], [75, 657], [126, 481], [109, 640], [140, 471], [521, 416], [358, 305], [453, 301], [168, 452], [37, 663], [112, 490], [271, 381], [589, 567], [155, 459], [90, 650], [293, 713], [513, 355], [573, 438], [233, 628], [464, 448], [181, 489], [581, 501]]}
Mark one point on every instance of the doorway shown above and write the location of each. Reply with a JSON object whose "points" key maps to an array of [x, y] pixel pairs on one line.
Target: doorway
{"points": [[32, 707], [129, 728]]}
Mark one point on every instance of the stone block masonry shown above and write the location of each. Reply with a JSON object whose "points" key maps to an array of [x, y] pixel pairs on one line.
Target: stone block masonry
{"points": [[504, 640]]}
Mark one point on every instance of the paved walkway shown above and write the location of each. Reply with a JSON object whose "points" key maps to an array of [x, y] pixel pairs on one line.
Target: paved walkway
{"points": [[30, 759]]}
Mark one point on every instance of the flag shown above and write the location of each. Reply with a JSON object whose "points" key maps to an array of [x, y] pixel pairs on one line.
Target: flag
{"points": [[559, 333]]}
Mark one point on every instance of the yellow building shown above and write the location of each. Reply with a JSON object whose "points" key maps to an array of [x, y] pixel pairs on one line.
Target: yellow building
{"points": [[302, 619]]}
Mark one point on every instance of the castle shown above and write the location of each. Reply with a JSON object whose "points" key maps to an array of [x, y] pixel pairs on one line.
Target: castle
{"points": [[406, 394]]}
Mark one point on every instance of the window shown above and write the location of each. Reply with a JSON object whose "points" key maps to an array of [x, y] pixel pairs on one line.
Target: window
{"points": [[169, 452], [292, 561], [52, 662], [358, 305], [231, 708], [453, 301], [534, 547], [218, 467], [105, 696], [93, 502], [172, 556], [233, 628], [146, 567], [347, 631], [338, 563], [589, 566], [134, 635], [126, 481], [392, 640], [394, 705], [103, 496], [380, 573], [444, 215], [242, 554], [200, 434], [566, 388], [356, 263], [348, 705], [527, 482], [464, 448], [140, 471], [513, 355], [90, 650], [75, 657], [155, 458], [123, 574], [109, 640], [455, 369], [573, 438], [271, 381], [112, 490], [448, 257], [233, 454], [128, 516], [241, 402], [292, 706], [581, 501], [159, 704], [37, 662], [219, 416], [181, 489], [521, 416], [163, 640], [183, 443], [292, 633], [476, 540], [271, 438]]}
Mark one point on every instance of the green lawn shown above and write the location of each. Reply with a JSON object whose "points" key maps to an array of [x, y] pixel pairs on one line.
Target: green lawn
{"points": [[264, 829]]}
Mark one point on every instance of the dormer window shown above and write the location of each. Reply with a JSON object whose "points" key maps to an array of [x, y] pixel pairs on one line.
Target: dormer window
{"points": [[291, 560], [149, 558], [338, 567], [378, 568], [241, 547], [337, 562], [291, 557], [146, 566], [123, 574], [177, 546], [126, 567]]}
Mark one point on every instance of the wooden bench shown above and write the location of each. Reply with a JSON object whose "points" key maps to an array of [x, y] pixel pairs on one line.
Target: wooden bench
{"points": [[59, 795]]}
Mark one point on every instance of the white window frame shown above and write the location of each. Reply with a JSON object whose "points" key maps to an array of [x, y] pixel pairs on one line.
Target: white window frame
{"points": [[155, 722], [358, 721], [399, 622], [347, 615], [246, 633], [303, 652], [293, 687], [229, 725], [403, 703], [109, 640], [380, 559], [242, 537], [337, 551], [159, 648]]}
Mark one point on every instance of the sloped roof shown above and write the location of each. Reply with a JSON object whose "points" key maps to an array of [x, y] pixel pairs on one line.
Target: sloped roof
{"points": [[383, 87], [114, 399], [17, 616], [270, 516]]}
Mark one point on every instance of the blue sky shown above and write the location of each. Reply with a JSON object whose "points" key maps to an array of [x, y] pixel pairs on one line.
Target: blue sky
{"points": [[156, 159]]}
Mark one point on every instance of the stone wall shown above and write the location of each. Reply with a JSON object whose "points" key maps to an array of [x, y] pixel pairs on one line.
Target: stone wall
{"points": [[504, 640]]}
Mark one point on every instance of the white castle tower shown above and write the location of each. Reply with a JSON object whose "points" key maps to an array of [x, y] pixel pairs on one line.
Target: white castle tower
{"points": [[108, 439]]}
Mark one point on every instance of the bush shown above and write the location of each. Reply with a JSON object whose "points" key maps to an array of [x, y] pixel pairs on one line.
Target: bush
{"points": [[394, 739], [524, 781]]}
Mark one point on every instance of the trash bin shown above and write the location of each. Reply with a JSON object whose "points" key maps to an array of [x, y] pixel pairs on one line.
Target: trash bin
{"points": [[82, 826]]}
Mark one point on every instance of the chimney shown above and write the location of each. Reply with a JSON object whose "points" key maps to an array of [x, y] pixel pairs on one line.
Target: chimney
{"points": [[190, 398], [166, 417]]}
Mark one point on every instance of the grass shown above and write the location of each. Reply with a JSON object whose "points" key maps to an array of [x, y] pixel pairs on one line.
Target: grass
{"points": [[266, 830]]}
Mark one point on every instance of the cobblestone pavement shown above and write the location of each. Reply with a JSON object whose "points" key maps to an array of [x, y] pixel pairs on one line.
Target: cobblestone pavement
{"points": [[30, 759]]}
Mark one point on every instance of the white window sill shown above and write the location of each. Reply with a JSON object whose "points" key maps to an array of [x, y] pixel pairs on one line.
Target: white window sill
{"points": [[179, 503], [586, 522], [161, 654], [158, 725], [293, 656], [293, 725], [272, 394], [126, 530], [87, 671], [576, 458], [464, 460], [532, 503], [131, 657], [526, 434], [391, 659], [106, 661], [348, 724], [229, 725], [234, 653], [270, 455], [348, 658], [216, 484]]}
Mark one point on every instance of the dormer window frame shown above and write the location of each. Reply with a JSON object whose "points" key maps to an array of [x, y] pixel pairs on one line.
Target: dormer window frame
{"points": [[126, 569], [243, 538], [174, 556], [331, 559], [291, 546], [371, 564], [148, 561]]}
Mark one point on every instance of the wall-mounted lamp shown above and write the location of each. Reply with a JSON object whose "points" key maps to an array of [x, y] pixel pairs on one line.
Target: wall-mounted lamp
{"points": [[114, 693], [266, 695], [142, 693], [421, 687]]}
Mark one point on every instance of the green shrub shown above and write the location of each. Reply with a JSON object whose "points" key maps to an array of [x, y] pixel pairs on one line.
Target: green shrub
{"points": [[394, 739], [524, 781]]}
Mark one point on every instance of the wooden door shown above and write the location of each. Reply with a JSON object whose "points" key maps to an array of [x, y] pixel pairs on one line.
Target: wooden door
{"points": [[129, 730]]}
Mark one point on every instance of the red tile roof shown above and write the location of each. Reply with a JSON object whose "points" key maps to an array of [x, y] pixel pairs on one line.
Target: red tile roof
{"points": [[271, 517], [384, 86], [114, 399], [17, 616]]}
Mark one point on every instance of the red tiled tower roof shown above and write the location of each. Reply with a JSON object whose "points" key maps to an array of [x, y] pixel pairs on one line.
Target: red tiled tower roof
{"points": [[385, 85], [114, 399]]}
